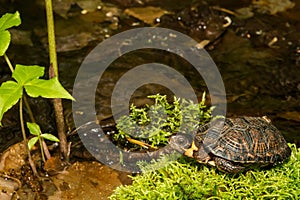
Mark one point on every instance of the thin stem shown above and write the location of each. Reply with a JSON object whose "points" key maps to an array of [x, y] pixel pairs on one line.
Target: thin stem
{"points": [[54, 73], [42, 149], [46, 150], [63, 144], [9, 63], [30, 113], [51, 36], [25, 139]]}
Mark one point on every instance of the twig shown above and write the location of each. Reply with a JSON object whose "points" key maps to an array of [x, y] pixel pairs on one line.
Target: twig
{"points": [[224, 10], [140, 143]]}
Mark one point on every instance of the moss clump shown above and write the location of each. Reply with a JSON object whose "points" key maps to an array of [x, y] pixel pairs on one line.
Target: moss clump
{"points": [[154, 124], [186, 179]]}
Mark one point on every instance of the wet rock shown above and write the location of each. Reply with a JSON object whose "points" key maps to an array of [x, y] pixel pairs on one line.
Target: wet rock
{"points": [[85, 180], [13, 158], [8, 187], [90, 5], [76, 32], [62, 8], [53, 165], [146, 14], [74, 42], [273, 6], [201, 22]]}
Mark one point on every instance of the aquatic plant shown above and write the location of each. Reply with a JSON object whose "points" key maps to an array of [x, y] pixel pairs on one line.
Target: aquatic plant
{"points": [[187, 179]]}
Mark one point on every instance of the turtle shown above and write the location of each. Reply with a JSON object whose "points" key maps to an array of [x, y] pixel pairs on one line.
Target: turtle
{"points": [[237, 144]]}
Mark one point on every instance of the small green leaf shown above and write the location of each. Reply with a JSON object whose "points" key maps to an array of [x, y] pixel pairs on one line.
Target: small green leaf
{"points": [[23, 73], [5, 40], [9, 20], [10, 93], [34, 128], [32, 142], [50, 137], [47, 89]]}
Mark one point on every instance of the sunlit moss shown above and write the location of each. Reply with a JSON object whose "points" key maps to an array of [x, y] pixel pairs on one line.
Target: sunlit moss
{"points": [[154, 124], [187, 179]]}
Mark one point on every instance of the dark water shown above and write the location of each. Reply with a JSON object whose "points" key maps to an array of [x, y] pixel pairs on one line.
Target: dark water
{"points": [[261, 78]]}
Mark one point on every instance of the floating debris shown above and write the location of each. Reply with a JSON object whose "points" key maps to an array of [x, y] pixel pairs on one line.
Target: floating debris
{"points": [[147, 14]]}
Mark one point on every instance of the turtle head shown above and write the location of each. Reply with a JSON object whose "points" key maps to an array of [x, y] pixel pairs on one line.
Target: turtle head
{"points": [[180, 142]]}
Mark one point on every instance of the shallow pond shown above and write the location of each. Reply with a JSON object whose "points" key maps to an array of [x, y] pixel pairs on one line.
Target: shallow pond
{"points": [[256, 49]]}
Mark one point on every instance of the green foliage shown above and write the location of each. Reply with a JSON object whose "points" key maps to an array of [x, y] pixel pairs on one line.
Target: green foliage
{"points": [[35, 130], [10, 93], [25, 74], [47, 88], [155, 123], [185, 179], [28, 77], [7, 21]]}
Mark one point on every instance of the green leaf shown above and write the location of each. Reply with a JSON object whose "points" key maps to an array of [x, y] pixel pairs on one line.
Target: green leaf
{"points": [[5, 40], [34, 128], [47, 89], [9, 20], [25, 73], [50, 137], [32, 142], [10, 93]]}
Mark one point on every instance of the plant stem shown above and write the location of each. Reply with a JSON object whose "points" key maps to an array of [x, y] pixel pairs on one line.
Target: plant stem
{"points": [[54, 68], [25, 138], [61, 127], [31, 163], [51, 36], [8, 63], [42, 149], [46, 150], [28, 108]]}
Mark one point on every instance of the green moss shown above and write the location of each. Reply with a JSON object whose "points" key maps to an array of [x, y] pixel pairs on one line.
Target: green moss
{"points": [[187, 179], [154, 124]]}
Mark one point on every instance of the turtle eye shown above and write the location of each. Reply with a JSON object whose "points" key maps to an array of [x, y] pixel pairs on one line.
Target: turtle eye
{"points": [[181, 140]]}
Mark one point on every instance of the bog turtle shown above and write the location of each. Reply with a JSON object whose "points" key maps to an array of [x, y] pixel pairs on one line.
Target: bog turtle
{"points": [[236, 144]]}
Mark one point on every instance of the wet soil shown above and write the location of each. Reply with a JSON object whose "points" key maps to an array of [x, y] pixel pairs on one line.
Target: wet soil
{"points": [[258, 55]]}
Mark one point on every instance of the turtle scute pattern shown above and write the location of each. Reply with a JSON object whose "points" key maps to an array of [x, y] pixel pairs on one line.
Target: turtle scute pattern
{"points": [[242, 141]]}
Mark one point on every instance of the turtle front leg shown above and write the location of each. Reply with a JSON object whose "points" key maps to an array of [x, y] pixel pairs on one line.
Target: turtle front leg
{"points": [[228, 166]]}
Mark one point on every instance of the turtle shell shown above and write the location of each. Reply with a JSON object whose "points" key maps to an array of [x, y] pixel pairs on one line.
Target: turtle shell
{"points": [[245, 140]]}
